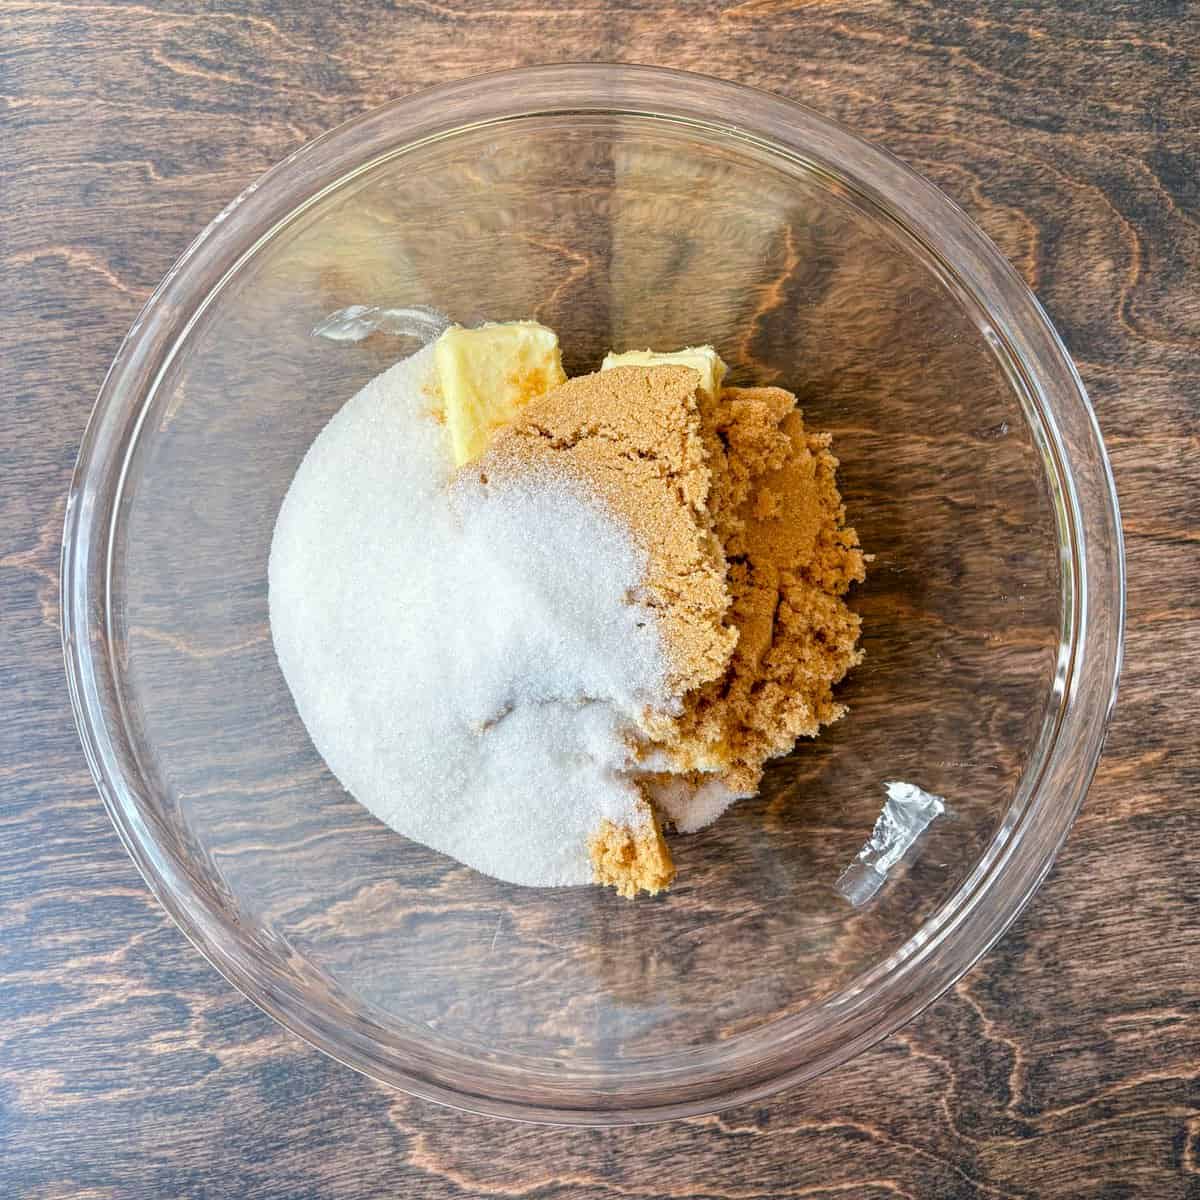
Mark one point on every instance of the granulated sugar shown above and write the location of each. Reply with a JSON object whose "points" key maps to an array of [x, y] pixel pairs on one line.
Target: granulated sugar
{"points": [[467, 659]]}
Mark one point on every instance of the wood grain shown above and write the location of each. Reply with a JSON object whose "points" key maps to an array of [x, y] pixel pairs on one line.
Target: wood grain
{"points": [[1065, 1065]]}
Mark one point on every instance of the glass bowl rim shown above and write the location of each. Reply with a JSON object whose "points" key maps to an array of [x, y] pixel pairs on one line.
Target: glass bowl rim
{"points": [[785, 1051]]}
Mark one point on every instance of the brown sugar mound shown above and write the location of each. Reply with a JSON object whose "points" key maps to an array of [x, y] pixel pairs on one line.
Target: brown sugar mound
{"points": [[632, 436], [791, 558], [748, 559]]}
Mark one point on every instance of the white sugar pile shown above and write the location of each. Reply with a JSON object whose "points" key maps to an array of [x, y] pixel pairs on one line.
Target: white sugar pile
{"points": [[466, 660]]}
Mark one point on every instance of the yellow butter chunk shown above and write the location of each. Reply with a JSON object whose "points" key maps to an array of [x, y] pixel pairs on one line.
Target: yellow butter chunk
{"points": [[700, 358], [487, 375]]}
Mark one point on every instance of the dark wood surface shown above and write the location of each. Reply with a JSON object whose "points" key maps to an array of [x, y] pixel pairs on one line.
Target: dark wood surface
{"points": [[1067, 1064]]}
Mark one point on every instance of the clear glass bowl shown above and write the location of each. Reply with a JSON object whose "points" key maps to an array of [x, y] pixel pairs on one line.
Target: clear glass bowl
{"points": [[625, 207]]}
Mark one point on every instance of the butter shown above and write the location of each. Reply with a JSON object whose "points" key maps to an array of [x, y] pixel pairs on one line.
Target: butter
{"points": [[703, 359], [488, 374]]}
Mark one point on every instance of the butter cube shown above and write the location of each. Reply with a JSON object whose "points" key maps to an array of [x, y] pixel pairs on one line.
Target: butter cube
{"points": [[487, 375], [703, 359]]}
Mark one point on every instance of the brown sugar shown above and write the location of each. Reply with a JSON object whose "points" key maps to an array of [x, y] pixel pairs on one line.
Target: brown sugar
{"points": [[748, 562], [632, 860], [791, 558]]}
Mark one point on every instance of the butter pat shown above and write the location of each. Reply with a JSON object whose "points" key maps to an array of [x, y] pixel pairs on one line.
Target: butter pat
{"points": [[487, 375], [703, 359]]}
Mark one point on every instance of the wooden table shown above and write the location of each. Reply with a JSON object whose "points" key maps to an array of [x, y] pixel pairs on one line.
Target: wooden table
{"points": [[1066, 1064]]}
